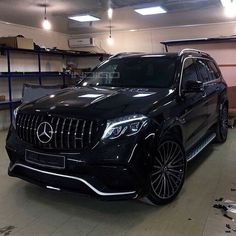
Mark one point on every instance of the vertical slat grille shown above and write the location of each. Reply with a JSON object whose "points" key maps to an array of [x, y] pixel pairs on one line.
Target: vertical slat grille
{"points": [[56, 133], [75, 134], [62, 133], [32, 129], [68, 133], [90, 131], [82, 134]]}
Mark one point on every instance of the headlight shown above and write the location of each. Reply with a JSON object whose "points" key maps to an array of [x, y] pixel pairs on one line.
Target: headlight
{"points": [[127, 125], [14, 117]]}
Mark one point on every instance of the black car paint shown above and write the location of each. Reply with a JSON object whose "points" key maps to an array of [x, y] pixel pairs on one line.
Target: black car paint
{"points": [[122, 165], [71, 102]]}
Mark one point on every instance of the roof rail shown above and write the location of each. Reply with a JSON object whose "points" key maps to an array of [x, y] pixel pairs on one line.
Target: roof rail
{"points": [[192, 50], [124, 54]]}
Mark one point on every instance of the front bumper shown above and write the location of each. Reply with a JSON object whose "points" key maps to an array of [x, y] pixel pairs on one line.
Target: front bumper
{"points": [[56, 181], [109, 174]]}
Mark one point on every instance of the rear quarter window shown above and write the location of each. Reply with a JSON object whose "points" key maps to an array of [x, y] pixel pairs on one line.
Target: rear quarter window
{"points": [[203, 70], [214, 70]]}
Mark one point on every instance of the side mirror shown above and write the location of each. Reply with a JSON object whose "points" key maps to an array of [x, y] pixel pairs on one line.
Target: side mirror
{"points": [[193, 87]]}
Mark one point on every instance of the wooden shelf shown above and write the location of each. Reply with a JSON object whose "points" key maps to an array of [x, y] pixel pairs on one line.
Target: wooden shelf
{"points": [[178, 42], [227, 65]]}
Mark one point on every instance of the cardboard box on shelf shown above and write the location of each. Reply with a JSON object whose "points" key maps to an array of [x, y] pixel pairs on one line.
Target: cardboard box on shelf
{"points": [[2, 98], [17, 42]]}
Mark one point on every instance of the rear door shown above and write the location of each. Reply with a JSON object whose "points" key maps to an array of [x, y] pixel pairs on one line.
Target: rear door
{"points": [[209, 77], [196, 107], [214, 88]]}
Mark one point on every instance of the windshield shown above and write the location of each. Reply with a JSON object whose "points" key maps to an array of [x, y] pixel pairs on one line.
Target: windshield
{"points": [[142, 72]]}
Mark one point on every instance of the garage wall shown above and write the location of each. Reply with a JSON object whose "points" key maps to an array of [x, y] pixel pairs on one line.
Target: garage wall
{"points": [[149, 41]]}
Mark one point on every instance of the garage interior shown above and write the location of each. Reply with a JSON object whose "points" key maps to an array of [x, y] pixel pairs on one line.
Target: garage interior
{"points": [[42, 43]]}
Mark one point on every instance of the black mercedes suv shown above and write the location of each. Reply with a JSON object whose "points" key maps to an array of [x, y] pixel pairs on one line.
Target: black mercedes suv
{"points": [[126, 131]]}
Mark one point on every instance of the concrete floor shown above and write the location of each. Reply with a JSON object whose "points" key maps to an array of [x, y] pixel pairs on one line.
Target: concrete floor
{"points": [[29, 210]]}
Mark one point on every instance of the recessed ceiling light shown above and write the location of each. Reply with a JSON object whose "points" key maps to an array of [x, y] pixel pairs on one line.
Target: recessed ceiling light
{"points": [[133, 30], [230, 12], [150, 11], [84, 18], [228, 3]]}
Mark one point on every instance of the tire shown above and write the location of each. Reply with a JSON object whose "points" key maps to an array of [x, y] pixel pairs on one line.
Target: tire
{"points": [[167, 171], [222, 125]]}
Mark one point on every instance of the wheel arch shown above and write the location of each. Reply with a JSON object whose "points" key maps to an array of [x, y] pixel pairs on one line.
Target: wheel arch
{"points": [[223, 101], [174, 129], [226, 102]]}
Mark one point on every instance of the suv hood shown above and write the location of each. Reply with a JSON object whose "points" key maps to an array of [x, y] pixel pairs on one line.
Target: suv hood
{"points": [[98, 103]]}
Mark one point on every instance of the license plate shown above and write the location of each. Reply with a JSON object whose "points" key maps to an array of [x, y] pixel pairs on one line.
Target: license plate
{"points": [[45, 160]]}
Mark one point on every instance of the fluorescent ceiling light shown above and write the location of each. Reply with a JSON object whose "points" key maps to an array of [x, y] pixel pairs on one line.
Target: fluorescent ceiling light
{"points": [[150, 11], [84, 18]]}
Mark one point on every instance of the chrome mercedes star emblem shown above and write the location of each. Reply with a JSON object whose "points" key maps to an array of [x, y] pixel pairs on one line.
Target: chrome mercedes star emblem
{"points": [[44, 132]]}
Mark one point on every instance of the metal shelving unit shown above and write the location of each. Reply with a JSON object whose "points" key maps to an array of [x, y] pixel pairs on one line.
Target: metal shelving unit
{"points": [[37, 74]]}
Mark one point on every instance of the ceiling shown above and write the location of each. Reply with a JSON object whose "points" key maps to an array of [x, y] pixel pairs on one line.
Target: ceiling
{"points": [[180, 12]]}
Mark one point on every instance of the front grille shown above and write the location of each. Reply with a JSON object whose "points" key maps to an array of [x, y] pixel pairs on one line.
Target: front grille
{"points": [[68, 133]]}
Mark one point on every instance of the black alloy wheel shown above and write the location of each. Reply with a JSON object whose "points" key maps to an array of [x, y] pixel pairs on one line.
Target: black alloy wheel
{"points": [[222, 126], [167, 172]]}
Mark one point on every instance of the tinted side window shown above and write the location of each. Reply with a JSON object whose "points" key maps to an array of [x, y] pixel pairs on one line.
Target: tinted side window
{"points": [[189, 72], [214, 70], [203, 70]]}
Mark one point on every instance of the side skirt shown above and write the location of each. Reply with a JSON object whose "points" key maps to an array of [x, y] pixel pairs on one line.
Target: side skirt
{"points": [[200, 146]]}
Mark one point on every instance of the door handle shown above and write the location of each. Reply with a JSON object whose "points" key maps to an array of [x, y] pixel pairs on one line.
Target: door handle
{"points": [[204, 94]]}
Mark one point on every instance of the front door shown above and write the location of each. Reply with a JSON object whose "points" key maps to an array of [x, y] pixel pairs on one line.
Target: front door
{"points": [[195, 105]]}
